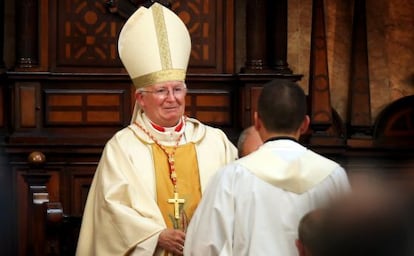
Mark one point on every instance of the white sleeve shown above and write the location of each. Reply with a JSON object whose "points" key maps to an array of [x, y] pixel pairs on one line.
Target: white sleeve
{"points": [[210, 230], [340, 178]]}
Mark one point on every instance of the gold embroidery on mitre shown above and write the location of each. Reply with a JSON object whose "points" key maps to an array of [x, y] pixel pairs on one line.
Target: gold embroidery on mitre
{"points": [[162, 37], [158, 77]]}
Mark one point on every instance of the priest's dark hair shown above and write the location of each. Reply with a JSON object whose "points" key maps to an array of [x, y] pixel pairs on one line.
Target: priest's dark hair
{"points": [[282, 106]]}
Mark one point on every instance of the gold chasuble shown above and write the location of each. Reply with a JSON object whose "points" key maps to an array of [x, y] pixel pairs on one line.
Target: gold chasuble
{"points": [[188, 190]]}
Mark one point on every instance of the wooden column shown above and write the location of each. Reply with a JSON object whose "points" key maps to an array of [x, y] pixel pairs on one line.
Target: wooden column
{"points": [[255, 36], [6, 215], [277, 14], [359, 91], [2, 22], [326, 127], [321, 113], [27, 46]]}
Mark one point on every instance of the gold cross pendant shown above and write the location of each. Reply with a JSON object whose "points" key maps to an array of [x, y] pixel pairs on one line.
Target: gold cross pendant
{"points": [[176, 201]]}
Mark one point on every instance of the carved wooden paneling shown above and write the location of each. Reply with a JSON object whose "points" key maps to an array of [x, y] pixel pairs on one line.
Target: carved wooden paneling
{"points": [[28, 181], [27, 104], [211, 27], [79, 182], [73, 110], [212, 99], [210, 106], [254, 98], [86, 35], [84, 107], [200, 18]]}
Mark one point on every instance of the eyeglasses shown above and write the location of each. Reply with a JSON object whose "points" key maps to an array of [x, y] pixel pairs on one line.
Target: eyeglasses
{"points": [[164, 92]]}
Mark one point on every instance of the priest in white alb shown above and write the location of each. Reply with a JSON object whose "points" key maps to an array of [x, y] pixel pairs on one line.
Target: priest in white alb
{"points": [[253, 205]]}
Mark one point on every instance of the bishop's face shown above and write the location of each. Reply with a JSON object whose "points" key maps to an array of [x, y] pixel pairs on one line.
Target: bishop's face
{"points": [[163, 103]]}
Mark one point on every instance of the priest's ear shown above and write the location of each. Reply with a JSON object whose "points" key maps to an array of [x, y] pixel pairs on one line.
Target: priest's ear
{"points": [[305, 125], [139, 97], [257, 121], [300, 247], [258, 125]]}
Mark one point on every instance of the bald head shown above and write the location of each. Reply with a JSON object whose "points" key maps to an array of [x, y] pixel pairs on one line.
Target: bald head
{"points": [[249, 141]]}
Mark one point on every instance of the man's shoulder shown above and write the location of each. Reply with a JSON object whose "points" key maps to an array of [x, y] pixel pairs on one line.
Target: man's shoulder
{"points": [[233, 170], [124, 132], [313, 156], [124, 135]]}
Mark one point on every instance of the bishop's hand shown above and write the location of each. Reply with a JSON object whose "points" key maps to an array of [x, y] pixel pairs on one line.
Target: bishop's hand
{"points": [[172, 240]]}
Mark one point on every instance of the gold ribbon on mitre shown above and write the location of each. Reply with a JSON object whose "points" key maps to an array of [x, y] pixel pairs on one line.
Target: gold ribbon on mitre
{"points": [[154, 45]]}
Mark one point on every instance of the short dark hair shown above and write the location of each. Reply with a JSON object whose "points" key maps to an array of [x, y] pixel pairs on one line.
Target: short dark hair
{"points": [[282, 106], [310, 231]]}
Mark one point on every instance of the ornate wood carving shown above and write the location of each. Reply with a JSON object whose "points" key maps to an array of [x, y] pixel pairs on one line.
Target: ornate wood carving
{"points": [[87, 35], [204, 20], [359, 91]]}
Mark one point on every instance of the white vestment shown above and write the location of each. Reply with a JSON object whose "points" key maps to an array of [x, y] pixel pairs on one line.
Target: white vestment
{"points": [[253, 206], [121, 215]]}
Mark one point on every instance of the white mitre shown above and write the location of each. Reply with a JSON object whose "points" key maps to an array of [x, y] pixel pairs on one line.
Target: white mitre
{"points": [[154, 45]]}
